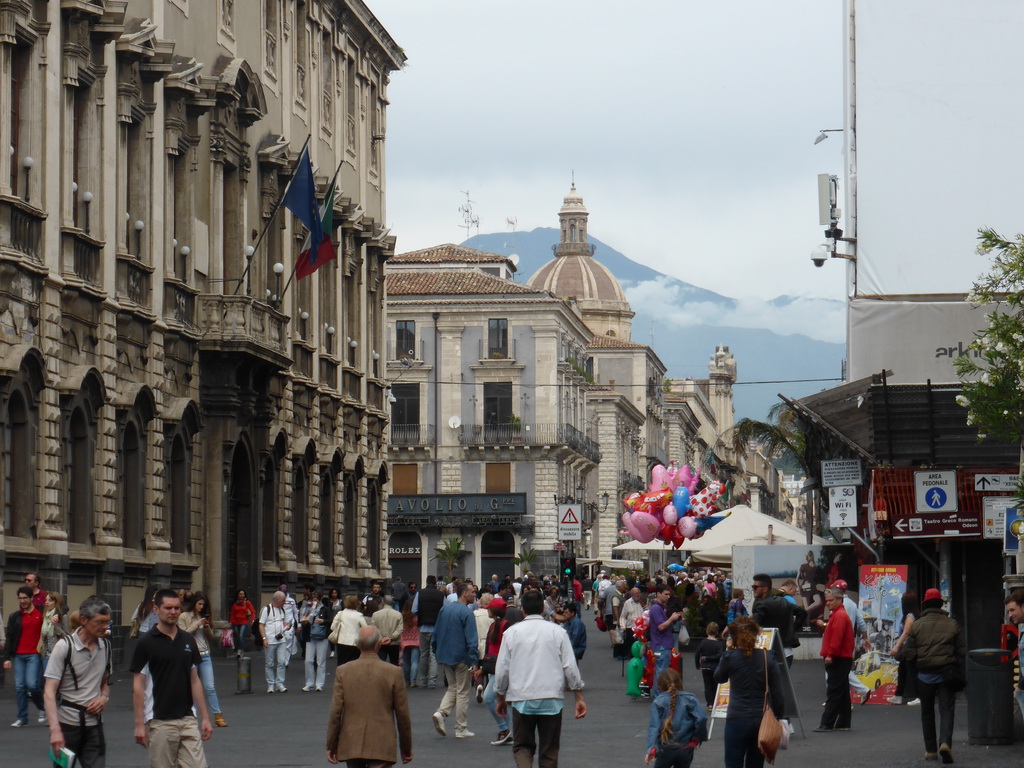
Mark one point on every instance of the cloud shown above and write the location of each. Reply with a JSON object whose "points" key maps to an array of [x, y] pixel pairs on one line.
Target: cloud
{"points": [[820, 319]]}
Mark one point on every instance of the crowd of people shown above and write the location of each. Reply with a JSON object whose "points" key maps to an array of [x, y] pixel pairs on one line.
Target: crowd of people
{"points": [[516, 642]]}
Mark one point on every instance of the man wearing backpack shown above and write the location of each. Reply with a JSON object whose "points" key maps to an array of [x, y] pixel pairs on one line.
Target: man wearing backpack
{"points": [[79, 673]]}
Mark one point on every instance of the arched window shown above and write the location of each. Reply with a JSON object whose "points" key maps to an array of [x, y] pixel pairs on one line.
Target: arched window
{"points": [[270, 509], [179, 468], [373, 521], [79, 461], [300, 490], [328, 490], [132, 486], [351, 518], [18, 466]]}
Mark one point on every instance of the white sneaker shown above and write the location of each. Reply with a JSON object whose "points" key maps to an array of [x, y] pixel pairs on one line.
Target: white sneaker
{"points": [[914, 703], [319, 688], [895, 699], [18, 724], [464, 734], [306, 689], [439, 723], [42, 717], [270, 689], [281, 689]]}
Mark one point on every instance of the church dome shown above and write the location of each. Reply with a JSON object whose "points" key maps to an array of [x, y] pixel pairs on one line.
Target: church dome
{"points": [[575, 273], [578, 276]]}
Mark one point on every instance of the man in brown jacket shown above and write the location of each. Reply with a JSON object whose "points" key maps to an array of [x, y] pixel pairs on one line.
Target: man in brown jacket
{"points": [[376, 698]]}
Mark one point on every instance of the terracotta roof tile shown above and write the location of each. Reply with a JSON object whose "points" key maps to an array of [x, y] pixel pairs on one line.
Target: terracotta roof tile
{"points": [[453, 283], [448, 252], [613, 342]]}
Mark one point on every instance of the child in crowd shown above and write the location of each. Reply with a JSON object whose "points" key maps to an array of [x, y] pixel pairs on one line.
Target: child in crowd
{"points": [[679, 724], [706, 659]]}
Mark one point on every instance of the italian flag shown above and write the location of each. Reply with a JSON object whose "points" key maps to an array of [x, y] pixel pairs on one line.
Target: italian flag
{"points": [[311, 259]]}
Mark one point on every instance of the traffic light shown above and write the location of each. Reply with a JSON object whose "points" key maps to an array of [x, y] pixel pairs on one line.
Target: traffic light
{"points": [[569, 568]]}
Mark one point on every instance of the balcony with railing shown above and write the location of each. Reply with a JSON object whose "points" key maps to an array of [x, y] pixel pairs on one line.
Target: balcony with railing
{"points": [[497, 351], [630, 482], [81, 256], [133, 280], [180, 304], [412, 434], [484, 435], [21, 228], [243, 324]]}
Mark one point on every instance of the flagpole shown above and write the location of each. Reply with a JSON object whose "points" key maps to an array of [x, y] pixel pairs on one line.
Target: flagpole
{"points": [[295, 266], [273, 215]]}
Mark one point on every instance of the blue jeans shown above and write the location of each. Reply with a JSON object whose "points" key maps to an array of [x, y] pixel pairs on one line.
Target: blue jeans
{"points": [[316, 663], [26, 683], [490, 699], [662, 657], [277, 656], [411, 664], [206, 675], [241, 632], [741, 743], [428, 662]]}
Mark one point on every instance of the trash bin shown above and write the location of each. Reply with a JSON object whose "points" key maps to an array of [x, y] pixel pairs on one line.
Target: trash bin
{"points": [[989, 696]]}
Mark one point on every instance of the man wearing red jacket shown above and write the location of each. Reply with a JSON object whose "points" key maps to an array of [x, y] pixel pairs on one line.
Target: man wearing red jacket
{"points": [[837, 651]]}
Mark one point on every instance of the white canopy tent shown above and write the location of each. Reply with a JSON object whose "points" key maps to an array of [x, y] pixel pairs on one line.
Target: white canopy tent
{"points": [[743, 526]]}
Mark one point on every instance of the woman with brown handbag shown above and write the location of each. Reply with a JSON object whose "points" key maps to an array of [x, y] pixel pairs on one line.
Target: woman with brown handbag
{"points": [[755, 692]]}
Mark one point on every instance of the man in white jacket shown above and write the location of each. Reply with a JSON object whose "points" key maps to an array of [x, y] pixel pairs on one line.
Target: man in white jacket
{"points": [[535, 666]]}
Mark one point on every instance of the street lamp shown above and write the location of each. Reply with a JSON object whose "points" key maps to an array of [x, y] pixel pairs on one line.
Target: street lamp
{"points": [[27, 164]]}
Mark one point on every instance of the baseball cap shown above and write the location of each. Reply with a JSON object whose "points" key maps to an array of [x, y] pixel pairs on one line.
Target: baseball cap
{"points": [[497, 602], [932, 594], [840, 584]]}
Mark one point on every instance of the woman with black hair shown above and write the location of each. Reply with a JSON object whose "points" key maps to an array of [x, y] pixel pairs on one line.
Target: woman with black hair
{"points": [[198, 621]]}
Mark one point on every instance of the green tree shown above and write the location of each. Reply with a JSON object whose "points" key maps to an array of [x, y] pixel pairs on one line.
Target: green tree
{"points": [[525, 559], [781, 437], [449, 551], [992, 371]]}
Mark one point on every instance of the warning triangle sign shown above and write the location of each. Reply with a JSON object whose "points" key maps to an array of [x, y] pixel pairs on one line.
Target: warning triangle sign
{"points": [[569, 518]]}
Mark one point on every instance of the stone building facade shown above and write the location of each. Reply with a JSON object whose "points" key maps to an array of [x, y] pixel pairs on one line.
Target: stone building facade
{"points": [[488, 383], [625, 399], [170, 412]]}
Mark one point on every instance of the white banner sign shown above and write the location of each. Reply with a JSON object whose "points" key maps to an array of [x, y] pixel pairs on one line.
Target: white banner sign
{"points": [[993, 515], [842, 506]]}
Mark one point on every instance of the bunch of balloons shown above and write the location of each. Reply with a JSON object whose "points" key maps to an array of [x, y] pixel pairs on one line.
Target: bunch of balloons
{"points": [[672, 510]]}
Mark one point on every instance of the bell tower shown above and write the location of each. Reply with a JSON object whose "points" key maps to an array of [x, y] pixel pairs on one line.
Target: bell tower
{"points": [[573, 222]]}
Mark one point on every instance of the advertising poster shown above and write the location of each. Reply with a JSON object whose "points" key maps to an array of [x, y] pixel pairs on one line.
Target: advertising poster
{"points": [[813, 568], [881, 593]]}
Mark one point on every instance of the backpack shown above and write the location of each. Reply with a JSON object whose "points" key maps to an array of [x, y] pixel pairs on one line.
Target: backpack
{"points": [[108, 667]]}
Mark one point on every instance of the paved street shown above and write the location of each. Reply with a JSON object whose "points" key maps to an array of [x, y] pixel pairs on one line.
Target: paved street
{"points": [[287, 730]]}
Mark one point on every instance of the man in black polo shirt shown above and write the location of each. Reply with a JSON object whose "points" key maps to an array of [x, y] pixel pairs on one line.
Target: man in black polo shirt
{"points": [[172, 734]]}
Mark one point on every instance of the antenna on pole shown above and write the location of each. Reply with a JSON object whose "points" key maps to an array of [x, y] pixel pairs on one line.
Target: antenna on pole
{"points": [[469, 218]]}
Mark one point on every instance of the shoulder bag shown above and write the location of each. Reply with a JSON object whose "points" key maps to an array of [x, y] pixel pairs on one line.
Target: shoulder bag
{"points": [[769, 735]]}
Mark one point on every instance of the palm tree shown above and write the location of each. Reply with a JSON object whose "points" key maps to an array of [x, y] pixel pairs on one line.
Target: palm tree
{"points": [[449, 551], [781, 436], [525, 559]]}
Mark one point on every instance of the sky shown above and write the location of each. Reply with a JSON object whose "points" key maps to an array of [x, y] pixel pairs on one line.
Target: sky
{"points": [[689, 126]]}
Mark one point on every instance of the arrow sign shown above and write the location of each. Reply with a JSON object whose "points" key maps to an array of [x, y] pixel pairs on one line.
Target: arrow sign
{"points": [[995, 482], [900, 525]]}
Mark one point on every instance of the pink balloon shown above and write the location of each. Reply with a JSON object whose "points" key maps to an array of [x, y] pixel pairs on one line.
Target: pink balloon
{"points": [[658, 477], [688, 527], [646, 526], [627, 521], [669, 514], [692, 484], [672, 476]]}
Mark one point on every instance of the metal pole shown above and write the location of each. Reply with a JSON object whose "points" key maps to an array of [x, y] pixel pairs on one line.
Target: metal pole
{"points": [[273, 215]]}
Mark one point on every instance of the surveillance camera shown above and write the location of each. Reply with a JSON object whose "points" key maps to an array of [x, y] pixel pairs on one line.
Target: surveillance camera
{"points": [[818, 258]]}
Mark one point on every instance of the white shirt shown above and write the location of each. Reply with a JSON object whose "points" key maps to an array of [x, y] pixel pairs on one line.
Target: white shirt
{"points": [[536, 662]]}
